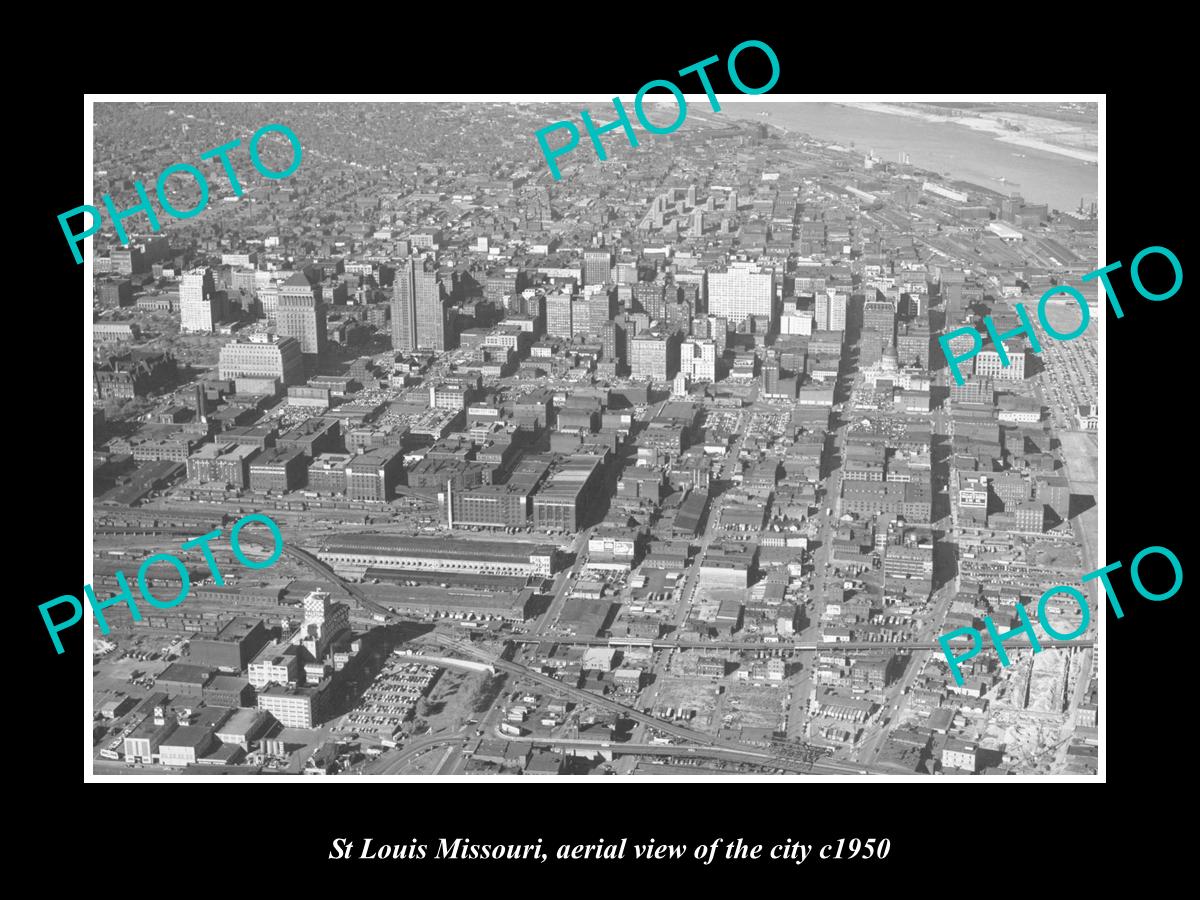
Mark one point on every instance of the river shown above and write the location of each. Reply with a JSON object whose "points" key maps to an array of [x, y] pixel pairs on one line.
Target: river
{"points": [[943, 147]]}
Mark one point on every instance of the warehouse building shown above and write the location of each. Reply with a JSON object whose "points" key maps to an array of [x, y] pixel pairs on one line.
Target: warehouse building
{"points": [[231, 648], [351, 555], [433, 601], [571, 496]]}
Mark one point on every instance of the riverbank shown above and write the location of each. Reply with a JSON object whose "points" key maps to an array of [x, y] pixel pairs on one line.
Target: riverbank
{"points": [[1034, 137], [936, 144]]}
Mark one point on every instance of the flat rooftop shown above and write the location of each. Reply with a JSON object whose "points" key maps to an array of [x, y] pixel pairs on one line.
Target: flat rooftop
{"points": [[433, 547]]}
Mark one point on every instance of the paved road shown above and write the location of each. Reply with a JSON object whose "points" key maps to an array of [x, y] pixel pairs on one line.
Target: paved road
{"points": [[729, 465], [564, 581], [450, 761], [391, 763]]}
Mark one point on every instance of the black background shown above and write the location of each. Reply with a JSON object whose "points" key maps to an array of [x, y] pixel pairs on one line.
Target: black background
{"points": [[956, 836]]}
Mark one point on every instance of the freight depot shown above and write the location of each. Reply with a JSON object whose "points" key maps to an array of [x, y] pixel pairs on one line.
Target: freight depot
{"points": [[125, 595], [622, 120], [1027, 626], [1027, 326], [221, 153]]}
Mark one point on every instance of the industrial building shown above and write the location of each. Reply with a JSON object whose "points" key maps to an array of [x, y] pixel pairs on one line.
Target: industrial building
{"points": [[298, 707], [375, 474], [490, 505], [231, 648], [571, 495], [351, 555]]}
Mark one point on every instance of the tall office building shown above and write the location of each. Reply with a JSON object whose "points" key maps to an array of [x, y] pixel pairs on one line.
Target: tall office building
{"points": [[654, 356], [718, 330], [740, 293], [694, 284], [268, 299], [597, 266], [796, 321], [878, 331], [497, 288], [649, 297], [612, 337], [434, 329], [912, 342], [590, 311], [404, 313], [698, 359], [559, 315], [599, 306], [301, 314], [831, 311], [581, 317], [627, 272], [988, 362], [691, 196], [880, 315], [201, 305]]}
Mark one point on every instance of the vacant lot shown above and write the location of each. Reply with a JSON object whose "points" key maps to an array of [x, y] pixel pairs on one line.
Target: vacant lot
{"points": [[682, 693], [755, 706]]}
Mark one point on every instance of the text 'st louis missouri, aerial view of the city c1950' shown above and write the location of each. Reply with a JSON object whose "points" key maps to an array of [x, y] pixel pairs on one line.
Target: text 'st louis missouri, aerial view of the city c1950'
{"points": [[654, 469]]}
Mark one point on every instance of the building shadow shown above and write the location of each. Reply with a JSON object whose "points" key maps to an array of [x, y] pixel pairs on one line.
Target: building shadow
{"points": [[1079, 503], [945, 561]]}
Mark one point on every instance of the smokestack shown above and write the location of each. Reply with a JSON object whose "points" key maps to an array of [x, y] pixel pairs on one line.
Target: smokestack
{"points": [[201, 410]]}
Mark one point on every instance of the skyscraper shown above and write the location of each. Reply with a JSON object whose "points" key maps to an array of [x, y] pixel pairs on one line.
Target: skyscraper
{"points": [[581, 317], [612, 337], [597, 266], [649, 296], [599, 306], [404, 314], [559, 315], [201, 305], [698, 359], [831, 311], [420, 310], [739, 293], [654, 356], [301, 314], [433, 331], [694, 284], [880, 315], [718, 330], [912, 342]]}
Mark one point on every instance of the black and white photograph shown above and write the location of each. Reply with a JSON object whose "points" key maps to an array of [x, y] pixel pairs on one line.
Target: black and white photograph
{"points": [[676, 437]]}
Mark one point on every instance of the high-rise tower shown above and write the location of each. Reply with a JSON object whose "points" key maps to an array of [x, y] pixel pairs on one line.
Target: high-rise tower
{"points": [[429, 302], [301, 314], [404, 312]]}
